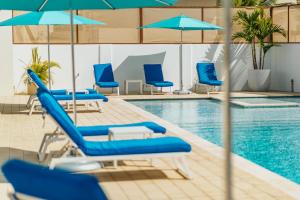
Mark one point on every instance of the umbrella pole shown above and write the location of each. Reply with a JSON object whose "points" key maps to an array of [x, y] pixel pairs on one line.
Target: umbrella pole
{"points": [[73, 68], [227, 135], [181, 70], [48, 46]]}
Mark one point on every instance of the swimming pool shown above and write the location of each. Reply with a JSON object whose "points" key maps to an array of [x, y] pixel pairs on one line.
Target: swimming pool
{"points": [[269, 137]]}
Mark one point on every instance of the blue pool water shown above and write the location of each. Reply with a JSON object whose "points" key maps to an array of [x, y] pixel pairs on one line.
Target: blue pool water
{"points": [[269, 137]]}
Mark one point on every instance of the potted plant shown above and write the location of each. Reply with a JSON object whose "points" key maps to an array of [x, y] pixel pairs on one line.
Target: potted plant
{"points": [[41, 68], [257, 29]]}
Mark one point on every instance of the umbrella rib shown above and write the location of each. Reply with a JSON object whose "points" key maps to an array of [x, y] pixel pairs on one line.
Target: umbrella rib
{"points": [[108, 4], [43, 5], [163, 2]]}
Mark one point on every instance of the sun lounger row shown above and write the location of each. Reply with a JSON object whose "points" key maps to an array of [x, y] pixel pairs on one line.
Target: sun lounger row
{"points": [[104, 77]]}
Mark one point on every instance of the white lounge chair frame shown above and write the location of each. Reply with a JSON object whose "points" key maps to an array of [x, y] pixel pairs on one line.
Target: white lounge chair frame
{"points": [[179, 157], [209, 88], [68, 103], [145, 85], [97, 88]]}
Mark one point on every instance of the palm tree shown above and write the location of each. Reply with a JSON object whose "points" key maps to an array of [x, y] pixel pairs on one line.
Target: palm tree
{"points": [[257, 27], [241, 3]]}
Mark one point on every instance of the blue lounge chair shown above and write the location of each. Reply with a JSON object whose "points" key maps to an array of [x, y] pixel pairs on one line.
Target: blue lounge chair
{"points": [[207, 76], [154, 77], [67, 98], [86, 131], [104, 77], [112, 150], [39, 182]]}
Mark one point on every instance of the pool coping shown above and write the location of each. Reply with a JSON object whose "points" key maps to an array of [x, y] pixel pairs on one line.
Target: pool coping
{"points": [[279, 182]]}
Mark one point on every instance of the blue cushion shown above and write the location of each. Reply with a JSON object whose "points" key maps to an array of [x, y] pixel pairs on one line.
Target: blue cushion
{"points": [[107, 84], [138, 146], [103, 129], [40, 182], [161, 84], [207, 74], [81, 97], [153, 73], [103, 73], [58, 92]]}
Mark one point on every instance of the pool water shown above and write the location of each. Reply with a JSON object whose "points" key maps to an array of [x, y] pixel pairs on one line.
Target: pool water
{"points": [[269, 137]]}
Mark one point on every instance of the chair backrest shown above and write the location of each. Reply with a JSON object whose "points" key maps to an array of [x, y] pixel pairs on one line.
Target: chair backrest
{"points": [[40, 182], [56, 111], [38, 82], [206, 72], [153, 73], [103, 73]]}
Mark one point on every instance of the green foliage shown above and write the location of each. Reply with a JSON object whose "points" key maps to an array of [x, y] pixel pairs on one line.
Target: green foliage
{"points": [[245, 3], [257, 27], [39, 67]]}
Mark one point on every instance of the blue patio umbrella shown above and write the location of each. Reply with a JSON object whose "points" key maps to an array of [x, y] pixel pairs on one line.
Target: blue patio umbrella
{"points": [[56, 5], [182, 23], [48, 18]]}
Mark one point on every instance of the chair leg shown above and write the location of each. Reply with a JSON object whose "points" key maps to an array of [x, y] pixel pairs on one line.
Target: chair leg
{"points": [[182, 167], [29, 102], [151, 90], [98, 106], [32, 108], [118, 91]]}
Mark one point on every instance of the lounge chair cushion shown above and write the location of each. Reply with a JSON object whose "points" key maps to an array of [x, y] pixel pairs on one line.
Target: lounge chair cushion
{"points": [[107, 84], [161, 84], [40, 182], [137, 146], [207, 74], [104, 76], [81, 97], [64, 92], [103, 129]]}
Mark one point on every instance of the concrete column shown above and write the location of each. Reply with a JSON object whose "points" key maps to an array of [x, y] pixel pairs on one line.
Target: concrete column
{"points": [[6, 57]]}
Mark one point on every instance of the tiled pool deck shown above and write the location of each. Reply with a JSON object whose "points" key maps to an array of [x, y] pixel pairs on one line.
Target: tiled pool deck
{"points": [[20, 136]]}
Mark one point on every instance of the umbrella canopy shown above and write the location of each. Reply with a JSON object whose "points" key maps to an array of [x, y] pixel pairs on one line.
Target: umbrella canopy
{"points": [[47, 18], [48, 5], [183, 23]]}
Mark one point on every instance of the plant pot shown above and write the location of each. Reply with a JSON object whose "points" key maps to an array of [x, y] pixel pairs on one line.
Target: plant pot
{"points": [[31, 89], [259, 80]]}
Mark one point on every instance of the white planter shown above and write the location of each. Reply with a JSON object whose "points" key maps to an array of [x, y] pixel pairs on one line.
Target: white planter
{"points": [[259, 80]]}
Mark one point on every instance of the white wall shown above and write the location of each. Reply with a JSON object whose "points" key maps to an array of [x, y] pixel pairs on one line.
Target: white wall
{"points": [[128, 62], [285, 66], [6, 57]]}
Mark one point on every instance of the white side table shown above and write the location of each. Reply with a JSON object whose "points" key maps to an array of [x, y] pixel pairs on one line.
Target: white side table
{"points": [[129, 132], [140, 82]]}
